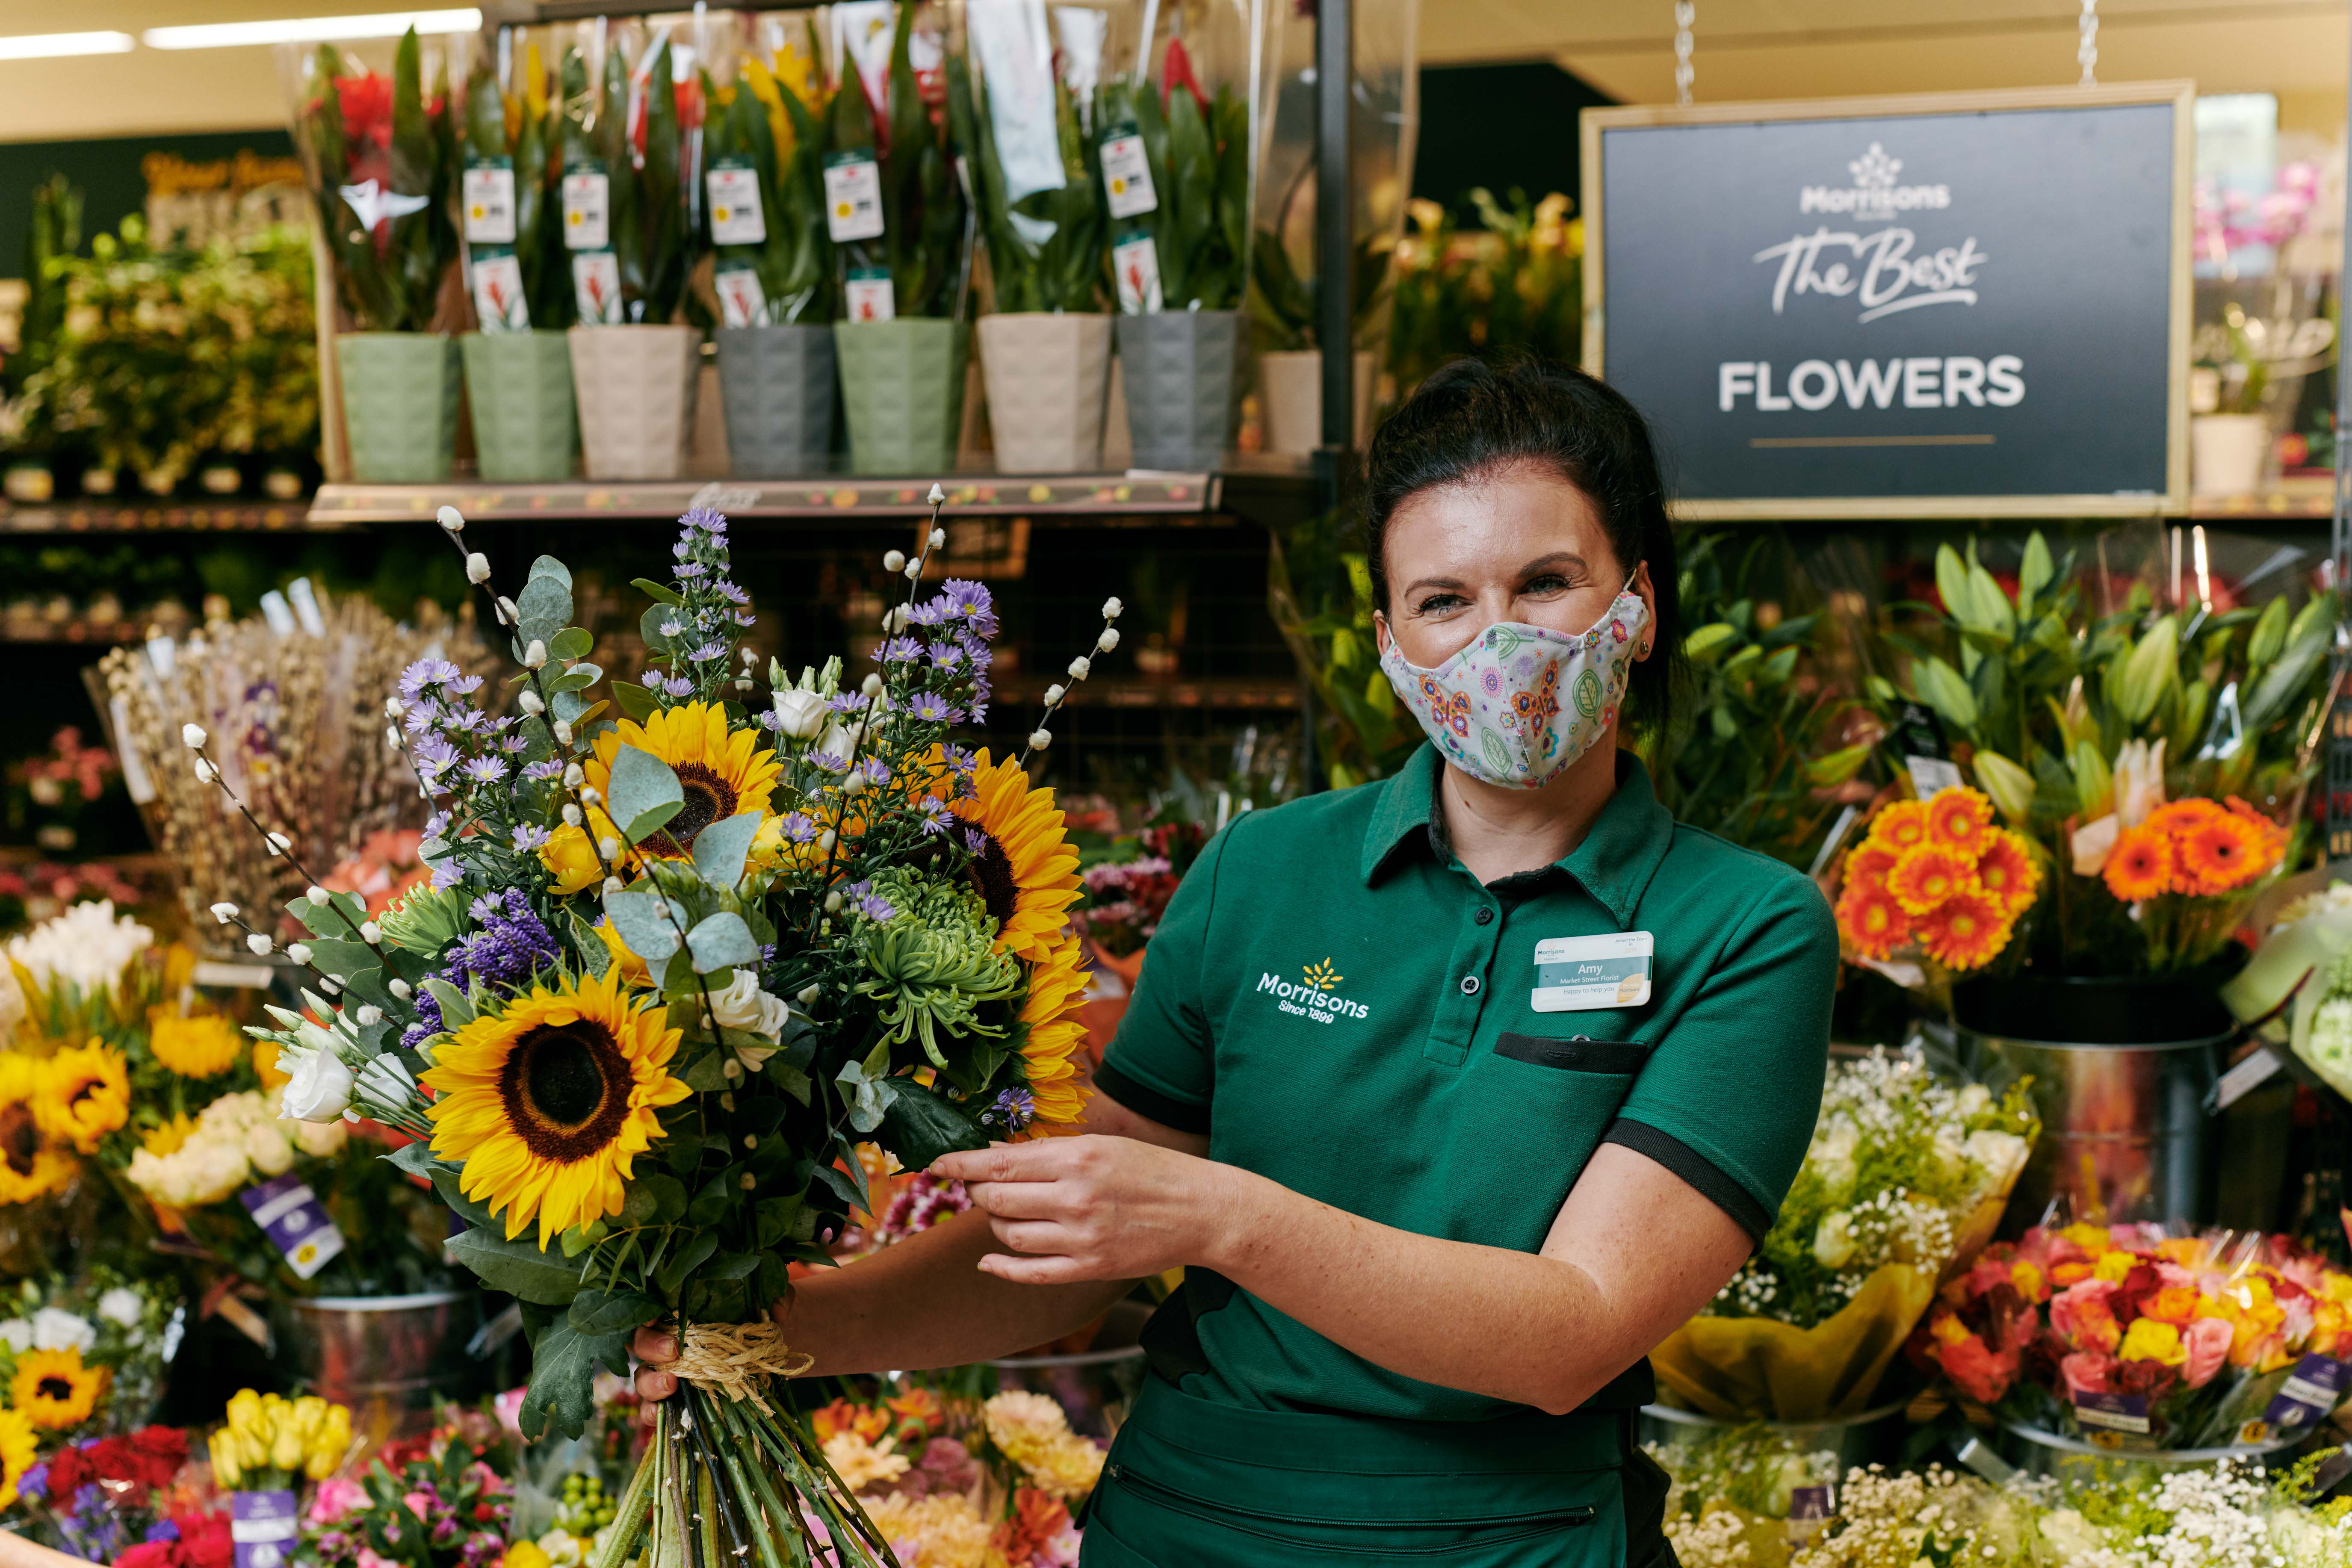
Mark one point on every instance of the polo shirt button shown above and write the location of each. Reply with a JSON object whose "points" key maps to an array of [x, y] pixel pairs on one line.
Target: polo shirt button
{"points": [[1469, 985], [1485, 916]]}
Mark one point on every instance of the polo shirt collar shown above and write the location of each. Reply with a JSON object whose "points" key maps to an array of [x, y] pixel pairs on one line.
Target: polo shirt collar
{"points": [[1614, 862]]}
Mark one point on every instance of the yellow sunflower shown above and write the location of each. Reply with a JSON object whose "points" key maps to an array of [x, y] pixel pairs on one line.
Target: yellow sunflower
{"points": [[18, 1445], [32, 1161], [1025, 866], [194, 1047], [87, 1095], [723, 774], [549, 1102], [1051, 1032], [54, 1390], [168, 1138]]}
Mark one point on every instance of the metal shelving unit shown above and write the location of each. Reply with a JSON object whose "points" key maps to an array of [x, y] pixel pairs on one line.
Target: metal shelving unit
{"points": [[232, 516]]}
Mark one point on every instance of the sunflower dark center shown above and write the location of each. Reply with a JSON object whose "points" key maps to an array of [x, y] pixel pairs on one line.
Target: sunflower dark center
{"points": [[20, 1140], [56, 1388], [566, 1089], [709, 799], [992, 873]]}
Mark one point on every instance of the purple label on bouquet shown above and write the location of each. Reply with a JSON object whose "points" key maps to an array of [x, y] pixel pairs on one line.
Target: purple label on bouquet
{"points": [[289, 1213], [2309, 1392], [2115, 1412], [263, 1526], [1808, 1510]]}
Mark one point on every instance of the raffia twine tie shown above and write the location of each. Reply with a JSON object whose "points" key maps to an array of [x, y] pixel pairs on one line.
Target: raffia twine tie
{"points": [[734, 1359]]}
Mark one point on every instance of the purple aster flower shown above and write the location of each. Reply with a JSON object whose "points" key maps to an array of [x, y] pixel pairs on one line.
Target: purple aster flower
{"points": [[436, 824], [733, 595], [689, 572], [898, 650], [708, 652], [970, 602], [529, 837], [680, 549], [930, 708], [464, 685], [930, 612], [948, 656], [435, 757], [678, 686], [541, 771], [746, 618], [33, 1482], [845, 701], [671, 626], [464, 720], [826, 762], [421, 717], [876, 908], [800, 827], [771, 720], [707, 519], [936, 817], [979, 714], [960, 758], [162, 1529], [877, 770], [514, 745], [486, 770], [426, 672], [975, 840], [1012, 1110]]}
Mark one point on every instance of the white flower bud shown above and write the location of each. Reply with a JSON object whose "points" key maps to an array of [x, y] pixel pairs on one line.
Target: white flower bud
{"points": [[914, 572], [1054, 693], [393, 708], [613, 884], [825, 841], [608, 847], [508, 614], [588, 796], [370, 932], [809, 994], [299, 952], [370, 1016], [731, 1070], [1041, 739], [331, 987], [748, 1182], [1108, 641], [317, 896], [279, 844], [563, 732], [400, 989], [936, 495], [391, 739], [477, 569], [535, 655], [453, 519], [751, 1140], [259, 944], [938, 538], [894, 560], [573, 775], [871, 686], [570, 814], [224, 911], [1080, 667], [896, 620], [855, 785], [530, 703], [205, 771], [1112, 608], [194, 735], [833, 901]]}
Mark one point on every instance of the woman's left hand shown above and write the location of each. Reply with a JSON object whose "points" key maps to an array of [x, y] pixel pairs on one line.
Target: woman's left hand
{"points": [[1094, 1207]]}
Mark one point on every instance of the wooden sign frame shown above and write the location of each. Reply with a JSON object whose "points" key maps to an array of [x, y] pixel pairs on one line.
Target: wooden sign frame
{"points": [[2172, 501]]}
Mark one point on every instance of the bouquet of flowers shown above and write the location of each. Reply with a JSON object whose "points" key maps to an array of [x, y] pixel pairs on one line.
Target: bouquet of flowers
{"points": [[48, 795], [771, 122], [188, 1539], [1196, 151], [670, 969], [382, 161], [1125, 899], [1936, 879], [512, 170], [445, 1507], [2128, 1337], [1904, 1180], [924, 247], [1038, 188], [91, 1498]]}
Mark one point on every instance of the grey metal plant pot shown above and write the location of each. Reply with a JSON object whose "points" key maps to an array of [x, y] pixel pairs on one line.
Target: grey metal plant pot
{"points": [[902, 386], [776, 385], [526, 423], [1183, 379], [400, 404]]}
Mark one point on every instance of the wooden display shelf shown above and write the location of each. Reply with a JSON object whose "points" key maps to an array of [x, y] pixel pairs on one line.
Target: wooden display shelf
{"points": [[827, 498], [2297, 497], [231, 516], [94, 634]]}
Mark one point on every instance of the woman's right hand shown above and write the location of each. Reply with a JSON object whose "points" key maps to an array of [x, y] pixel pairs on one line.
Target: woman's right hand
{"points": [[655, 1347]]}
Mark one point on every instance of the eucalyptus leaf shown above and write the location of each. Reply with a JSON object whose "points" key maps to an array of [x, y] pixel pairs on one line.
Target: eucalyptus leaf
{"points": [[457, 1012], [571, 643], [541, 610], [642, 793], [644, 929], [722, 942], [635, 702], [721, 849]]}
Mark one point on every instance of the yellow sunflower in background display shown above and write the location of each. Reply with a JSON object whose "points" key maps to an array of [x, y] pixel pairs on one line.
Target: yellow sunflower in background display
{"points": [[723, 773], [54, 1390], [549, 1102], [87, 1095], [1051, 1032], [194, 1047], [18, 1445], [32, 1161], [1022, 862]]}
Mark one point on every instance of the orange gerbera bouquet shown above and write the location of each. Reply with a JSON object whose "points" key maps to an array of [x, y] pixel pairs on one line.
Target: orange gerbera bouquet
{"points": [[1936, 877], [2188, 868]]}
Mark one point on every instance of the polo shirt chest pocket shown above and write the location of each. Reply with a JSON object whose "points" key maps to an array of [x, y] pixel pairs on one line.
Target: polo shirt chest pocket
{"points": [[1551, 1098]]}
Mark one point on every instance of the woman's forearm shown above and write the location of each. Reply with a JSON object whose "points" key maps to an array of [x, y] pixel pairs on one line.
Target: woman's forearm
{"points": [[923, 1303]]}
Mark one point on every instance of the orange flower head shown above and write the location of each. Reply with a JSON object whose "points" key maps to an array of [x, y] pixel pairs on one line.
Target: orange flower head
{"points": [[1899, 825], [1965, 931], [2006, 871], [1957, 818], [2140, 864], [2223, 852], [1868, 866], [1871, 921], [2178, 817], [1928, 874]]}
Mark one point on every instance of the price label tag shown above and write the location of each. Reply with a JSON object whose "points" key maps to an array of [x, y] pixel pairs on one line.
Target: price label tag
{"points": [[289, 1213], [741, 300], [1809, 1508], [2113, 1420], [597, 288], [262, 1527], [853, 197], [868, 296], [498, 290], [735, 216], [1127, 177], [1135, 263], [1931, 776], [489, 198], [587, 209], [2309, 1392]]}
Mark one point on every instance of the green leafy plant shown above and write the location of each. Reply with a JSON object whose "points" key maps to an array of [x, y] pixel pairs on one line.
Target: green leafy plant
{"points": [[381, 160], [1045, 248], [779, 127], [926, 240], [525, 126], [1197, 149], [1516, 287], [1320, 591]]}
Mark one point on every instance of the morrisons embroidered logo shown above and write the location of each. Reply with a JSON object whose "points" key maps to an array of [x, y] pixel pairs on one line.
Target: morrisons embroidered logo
{"points": [[1312, 998]]}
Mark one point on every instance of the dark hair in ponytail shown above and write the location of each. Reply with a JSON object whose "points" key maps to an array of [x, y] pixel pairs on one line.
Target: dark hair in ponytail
{"points": [[1470, 419]]}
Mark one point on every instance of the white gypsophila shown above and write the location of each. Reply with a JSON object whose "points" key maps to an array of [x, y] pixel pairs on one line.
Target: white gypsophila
{"points": [[87, 945], [54, 1328], [2336, 898], [122, 1306], [1719, 1540]]}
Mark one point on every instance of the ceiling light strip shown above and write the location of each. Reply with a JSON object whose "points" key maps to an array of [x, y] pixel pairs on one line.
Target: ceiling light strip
{"points": [[57, 46], [313, 29]]}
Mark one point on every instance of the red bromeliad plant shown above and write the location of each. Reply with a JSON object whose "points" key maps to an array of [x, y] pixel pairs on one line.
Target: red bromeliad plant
{"points": [[381, 157]]}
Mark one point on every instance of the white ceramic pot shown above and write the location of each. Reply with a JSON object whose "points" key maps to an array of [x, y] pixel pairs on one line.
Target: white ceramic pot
{"points": [[636, 387], [2227, 453], [1291, 393], [1048, 379]]}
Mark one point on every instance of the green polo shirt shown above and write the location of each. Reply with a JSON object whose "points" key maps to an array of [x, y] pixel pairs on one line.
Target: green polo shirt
{"points": [[1346, 1010]]}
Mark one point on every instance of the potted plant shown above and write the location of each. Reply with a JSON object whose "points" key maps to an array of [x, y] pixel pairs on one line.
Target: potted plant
{"points": [[629, 178], [1045, 350], [380, 156], [902, 246], [1180, 264], [518, 361], [774, 275], [52, 234]]}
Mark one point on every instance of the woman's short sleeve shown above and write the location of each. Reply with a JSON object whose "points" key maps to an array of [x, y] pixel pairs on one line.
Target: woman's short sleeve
{"points": [[1162, 1064]]}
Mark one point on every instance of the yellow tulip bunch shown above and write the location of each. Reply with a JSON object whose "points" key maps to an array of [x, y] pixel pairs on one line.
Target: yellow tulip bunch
{"points": [[270, 1443]]}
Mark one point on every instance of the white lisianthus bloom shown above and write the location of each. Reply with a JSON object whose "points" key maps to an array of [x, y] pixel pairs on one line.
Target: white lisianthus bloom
{"points": [[54, 1329], [800, 714], [122, 1305], [2139, 781], [321, 1089], [744, 1005], [17, 1333], [1833, 1239]]}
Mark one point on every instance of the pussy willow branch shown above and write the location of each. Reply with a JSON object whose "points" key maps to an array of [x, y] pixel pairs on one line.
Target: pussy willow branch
{"points": [[287, 852]]}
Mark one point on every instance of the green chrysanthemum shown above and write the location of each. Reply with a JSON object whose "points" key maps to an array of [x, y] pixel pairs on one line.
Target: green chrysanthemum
{"points": [[933, 964]]}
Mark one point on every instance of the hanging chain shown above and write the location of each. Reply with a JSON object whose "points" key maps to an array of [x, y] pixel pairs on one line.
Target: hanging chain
{"points": [[2087, 51], [1686, 12]]}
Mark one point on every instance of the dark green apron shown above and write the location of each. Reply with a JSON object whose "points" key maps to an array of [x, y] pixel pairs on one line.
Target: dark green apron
{"points": [[1192, 1484]]}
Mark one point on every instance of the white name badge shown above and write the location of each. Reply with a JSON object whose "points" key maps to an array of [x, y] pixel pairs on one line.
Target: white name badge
{"points": [[1578, 974]]}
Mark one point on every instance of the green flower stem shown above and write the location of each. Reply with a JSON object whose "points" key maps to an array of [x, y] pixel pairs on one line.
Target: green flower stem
{"points": [[751, 1484], [706, 1515], [629, 1524]]}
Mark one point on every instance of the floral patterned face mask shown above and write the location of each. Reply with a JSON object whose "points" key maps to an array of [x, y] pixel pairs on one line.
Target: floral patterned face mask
{"points": [[1521, 703]]}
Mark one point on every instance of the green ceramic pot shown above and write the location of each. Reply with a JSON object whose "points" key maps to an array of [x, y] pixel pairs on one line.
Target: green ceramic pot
{"points": [[902, 386], [519, 386], [400, 404]]}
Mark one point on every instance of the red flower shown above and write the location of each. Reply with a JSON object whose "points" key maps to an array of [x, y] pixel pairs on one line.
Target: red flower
{"points": [[204, 1540], [366, 105], [151, 1554], [1175, 71], [70, 1471], [164, 1449]]}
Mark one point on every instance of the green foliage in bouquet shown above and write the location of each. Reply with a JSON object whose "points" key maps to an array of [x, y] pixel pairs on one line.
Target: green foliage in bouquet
{"points": [[383, 160], [1748, 754], [526, 128], [1046, 249], [1319, 592], [1516, 287], [52, 235], [925, 240], [647, 171], [1198, 152], [2066, 717], [767, 122]]}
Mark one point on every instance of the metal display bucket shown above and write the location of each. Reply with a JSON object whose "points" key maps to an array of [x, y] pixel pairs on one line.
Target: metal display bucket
{"points": [[395, 1351], [1852, 1438], [1094, 1387], [2039, 1453]]}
